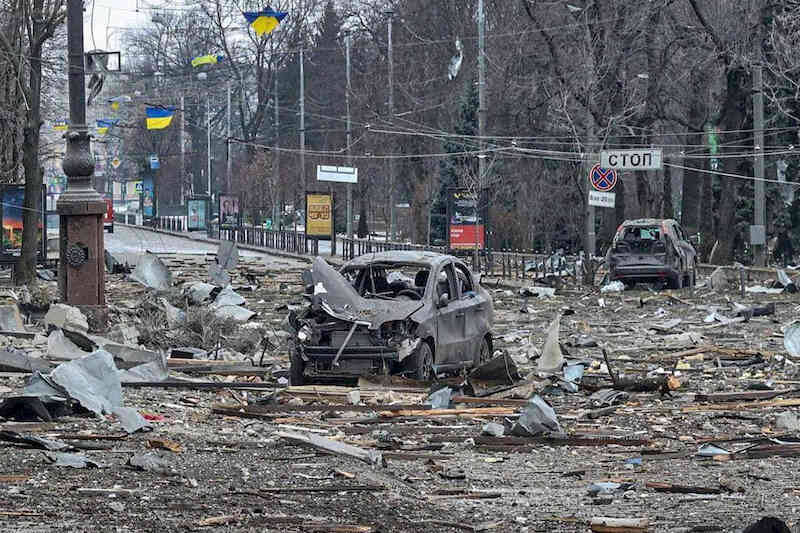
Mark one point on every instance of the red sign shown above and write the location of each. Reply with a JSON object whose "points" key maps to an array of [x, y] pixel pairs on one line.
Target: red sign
{"points": [[467, 236]]}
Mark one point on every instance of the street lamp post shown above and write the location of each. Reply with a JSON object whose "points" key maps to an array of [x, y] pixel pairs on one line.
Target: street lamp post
{"points": [[81, 273]]}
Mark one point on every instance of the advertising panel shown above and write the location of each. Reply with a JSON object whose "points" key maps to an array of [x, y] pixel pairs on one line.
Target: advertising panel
{"points": [[148, 198], [197, 213], [319, 215], [13, 201], [466, 216], [229, 217]]}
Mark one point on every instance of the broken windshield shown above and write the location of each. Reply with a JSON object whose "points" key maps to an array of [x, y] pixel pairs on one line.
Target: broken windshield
{"points": [[389, 280]]}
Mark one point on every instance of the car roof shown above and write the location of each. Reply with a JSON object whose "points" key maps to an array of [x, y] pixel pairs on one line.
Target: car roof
{"points": [[646, 222], [414, 257]]}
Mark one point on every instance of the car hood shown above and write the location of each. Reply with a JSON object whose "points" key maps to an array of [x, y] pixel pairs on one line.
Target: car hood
{"points": [[337, 297]]}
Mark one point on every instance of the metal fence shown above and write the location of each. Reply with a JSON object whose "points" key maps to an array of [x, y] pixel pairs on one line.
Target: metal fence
{"points": [[523, 265], [354, 247], [287, 241], [519, 265], [171, 223]]}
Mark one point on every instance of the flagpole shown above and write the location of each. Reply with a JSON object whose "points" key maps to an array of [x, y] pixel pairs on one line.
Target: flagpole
{"points": [[302, 134], [208, 139], [228, 171], [183, 146]]}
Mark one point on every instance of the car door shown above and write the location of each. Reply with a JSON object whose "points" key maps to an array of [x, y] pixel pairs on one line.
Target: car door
{"points": [[476, 311], [450, 318]]}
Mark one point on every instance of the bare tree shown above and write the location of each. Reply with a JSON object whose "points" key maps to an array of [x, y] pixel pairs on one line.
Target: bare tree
{"points": [[40, 19]]}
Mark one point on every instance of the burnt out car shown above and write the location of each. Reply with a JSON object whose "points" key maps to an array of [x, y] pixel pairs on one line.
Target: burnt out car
{"points": [[402, 312], [653, 251]]}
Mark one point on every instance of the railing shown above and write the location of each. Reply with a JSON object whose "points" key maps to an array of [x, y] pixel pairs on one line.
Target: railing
{"points": [[170, 223], [523, 265], [288, 241], [519, 265], [351, 248]]}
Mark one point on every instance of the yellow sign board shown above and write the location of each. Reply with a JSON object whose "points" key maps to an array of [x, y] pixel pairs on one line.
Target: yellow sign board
{"points": [[319, 215]]}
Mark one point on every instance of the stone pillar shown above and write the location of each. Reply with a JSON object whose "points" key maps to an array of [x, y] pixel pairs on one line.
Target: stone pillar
{"points": [[81, 269]]}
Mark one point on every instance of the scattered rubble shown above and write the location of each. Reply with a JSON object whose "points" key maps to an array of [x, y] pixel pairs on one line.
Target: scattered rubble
{"points": [[585, 417]]}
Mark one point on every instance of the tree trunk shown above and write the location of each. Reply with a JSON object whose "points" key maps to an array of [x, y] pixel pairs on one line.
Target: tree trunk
{"points": [[25, 268], [734, 116]]}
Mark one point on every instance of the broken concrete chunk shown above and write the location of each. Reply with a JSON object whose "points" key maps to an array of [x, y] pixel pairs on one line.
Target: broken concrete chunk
{"points": [[61, 348], [228, 255], [174, 315], [128, 357], [441, 398], [10, 319], [151, 272], [124, 334], [493, 429], [148, 372], [614, 286], [218, 276], [718, 279], [130, 419], [552, 359], [537, 418], [65, 316], [788, 421], [15, 361], [233, 312], [199, 292], [791, 339], [152, 462], [92, 381], [228, 296]]}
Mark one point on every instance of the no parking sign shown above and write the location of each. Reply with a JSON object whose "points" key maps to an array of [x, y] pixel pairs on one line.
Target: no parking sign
{"points": [[603, 179]]}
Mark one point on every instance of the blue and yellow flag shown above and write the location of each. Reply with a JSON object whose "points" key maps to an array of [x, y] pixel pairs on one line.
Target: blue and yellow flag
{"points": [[60, 125], [207, 60], [159, 118], [104, 124], [264, 21], [117, 100]]}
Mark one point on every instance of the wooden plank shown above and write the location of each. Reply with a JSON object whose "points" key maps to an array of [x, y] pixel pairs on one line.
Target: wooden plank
{"points": [[372, 457], [477, 411]]}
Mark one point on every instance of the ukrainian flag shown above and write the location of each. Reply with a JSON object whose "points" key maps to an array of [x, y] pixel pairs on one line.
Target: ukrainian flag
{"points": [[116, 101], [159, 118], [60, 125], [207, 60], [103, 125], [264, 21]]}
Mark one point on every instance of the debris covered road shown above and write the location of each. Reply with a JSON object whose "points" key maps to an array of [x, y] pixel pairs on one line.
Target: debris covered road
{"points": [[227, 445]]}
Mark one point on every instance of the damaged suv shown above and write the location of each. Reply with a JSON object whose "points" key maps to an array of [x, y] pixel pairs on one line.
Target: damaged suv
{"points": [[654, 251], [402, 312]]}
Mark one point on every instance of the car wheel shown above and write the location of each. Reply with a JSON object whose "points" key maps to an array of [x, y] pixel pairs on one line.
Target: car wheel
{"points": [[296, 367], [676, 282], [422, 363], [483, 355]]}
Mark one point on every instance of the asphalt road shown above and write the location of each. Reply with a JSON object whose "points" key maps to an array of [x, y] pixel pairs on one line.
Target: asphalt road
{"points": [[128, 243]]}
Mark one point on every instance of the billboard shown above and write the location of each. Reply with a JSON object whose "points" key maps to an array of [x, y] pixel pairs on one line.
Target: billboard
{"points": [[466, 218], [319, 215], [229, 216], [197, 213], [148, 197], [13, 202]]}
